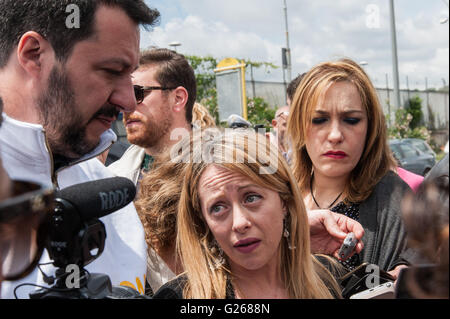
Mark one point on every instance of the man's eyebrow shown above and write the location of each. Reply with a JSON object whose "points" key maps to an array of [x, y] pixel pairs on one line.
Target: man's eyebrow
{"points": [[125, 65]]}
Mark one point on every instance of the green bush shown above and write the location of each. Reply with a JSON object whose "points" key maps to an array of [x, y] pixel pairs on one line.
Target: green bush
{"points": [[259, 112], [415, 109], [206, 82], [402, 128]]}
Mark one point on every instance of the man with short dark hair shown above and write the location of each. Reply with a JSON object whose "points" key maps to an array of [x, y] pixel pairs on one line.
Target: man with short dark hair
{"points": [[292, 87], [166, 90], [278, 132], [65, 74], [279, 124]]}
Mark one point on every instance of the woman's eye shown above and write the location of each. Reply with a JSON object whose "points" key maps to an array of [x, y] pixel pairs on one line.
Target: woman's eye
{"points": [[216, 209], [352, 120], [319, 120], [252, 198]]}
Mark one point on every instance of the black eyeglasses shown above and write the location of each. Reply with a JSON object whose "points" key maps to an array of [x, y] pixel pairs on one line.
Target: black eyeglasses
{"points": [[23, 228], [139, 91], [285, 113]]}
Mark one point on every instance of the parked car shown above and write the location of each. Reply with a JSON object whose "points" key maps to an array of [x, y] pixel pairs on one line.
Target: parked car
{"points": [[421, 145], [411, 158]]}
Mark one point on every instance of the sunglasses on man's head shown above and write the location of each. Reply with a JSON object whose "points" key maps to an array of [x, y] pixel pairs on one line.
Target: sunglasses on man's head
{"points": [[139, 91], [23, 228], [285, 113]]}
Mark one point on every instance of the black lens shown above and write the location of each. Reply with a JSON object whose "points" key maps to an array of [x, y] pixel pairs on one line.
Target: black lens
{"points": [[139, 94], [19, 248], [22, 220]]}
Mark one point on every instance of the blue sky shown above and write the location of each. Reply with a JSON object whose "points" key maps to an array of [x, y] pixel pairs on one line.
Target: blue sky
{"points": [[319, 30]]}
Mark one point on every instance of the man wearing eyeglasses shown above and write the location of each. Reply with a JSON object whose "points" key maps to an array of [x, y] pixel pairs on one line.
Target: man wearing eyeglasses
{"points": [[279, 124], [65, 74], [165, 89]]}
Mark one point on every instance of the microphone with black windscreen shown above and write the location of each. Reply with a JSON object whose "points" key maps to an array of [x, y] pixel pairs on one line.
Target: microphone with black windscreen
{"points": [[75, 236], [98, 198], [75, 233]]}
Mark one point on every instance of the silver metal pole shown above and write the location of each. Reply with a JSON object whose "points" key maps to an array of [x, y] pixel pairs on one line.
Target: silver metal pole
{"points": [[389, 100], [407, 88], [394, 55], [253, 81], [288, 50], [445, 105], [285, 85]]}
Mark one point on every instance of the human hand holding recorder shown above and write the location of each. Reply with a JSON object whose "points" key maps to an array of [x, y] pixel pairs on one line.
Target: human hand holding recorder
{"points": [[328, 231]]}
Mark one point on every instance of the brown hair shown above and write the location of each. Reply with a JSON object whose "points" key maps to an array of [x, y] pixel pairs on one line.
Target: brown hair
{"points": [[157, 203], [48, 18], [302, 274], [426, 220], [174, 70], [293, 85], [376, 159]]}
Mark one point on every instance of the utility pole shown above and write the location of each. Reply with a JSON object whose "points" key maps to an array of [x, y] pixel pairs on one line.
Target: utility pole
{"points": [[389, 100], [174, 45], [288, 50], [394, 55], [253, 80], [446, 104], [407, 88]]}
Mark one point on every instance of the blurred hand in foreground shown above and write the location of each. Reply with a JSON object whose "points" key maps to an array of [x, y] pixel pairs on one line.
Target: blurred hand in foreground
{"points": [[328, 231]]}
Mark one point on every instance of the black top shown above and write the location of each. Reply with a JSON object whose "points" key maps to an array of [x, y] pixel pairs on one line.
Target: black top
{"points": [[352, 211], [174, 289]]}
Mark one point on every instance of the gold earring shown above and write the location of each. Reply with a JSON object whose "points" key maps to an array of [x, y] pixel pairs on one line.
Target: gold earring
{"points": [[286, 234]]}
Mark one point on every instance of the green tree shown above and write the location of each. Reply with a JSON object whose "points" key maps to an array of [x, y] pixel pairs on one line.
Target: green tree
{"points": [[259, 112], [402, 128], [415, 109], [207, 93], [206, 82]]}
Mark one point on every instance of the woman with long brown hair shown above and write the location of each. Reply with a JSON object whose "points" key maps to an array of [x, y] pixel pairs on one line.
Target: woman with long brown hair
{"points": [[342, 161], [242, 227]]}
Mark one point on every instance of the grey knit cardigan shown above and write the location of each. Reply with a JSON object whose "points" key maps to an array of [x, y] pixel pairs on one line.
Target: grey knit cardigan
{"points": [[380, 215]]}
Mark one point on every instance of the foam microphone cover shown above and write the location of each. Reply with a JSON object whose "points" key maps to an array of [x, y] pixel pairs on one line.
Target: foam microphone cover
{"points": [[98, 198]]}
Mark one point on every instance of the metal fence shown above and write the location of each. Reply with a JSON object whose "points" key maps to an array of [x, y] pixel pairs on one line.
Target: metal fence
{"points": [[435, 105]]}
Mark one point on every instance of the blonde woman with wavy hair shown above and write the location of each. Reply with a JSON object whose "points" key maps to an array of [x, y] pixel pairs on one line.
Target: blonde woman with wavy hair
{"points": [[201, 117], [157, 206], [342, 161], [242, 227]]}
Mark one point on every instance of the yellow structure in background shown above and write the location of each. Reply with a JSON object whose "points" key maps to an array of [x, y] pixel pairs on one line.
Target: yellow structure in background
{"points": [[232, 64]]}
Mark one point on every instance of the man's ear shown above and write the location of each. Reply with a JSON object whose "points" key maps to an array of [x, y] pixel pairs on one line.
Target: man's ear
{"points": [[181, 98], [274, 123], [32, 51]]}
